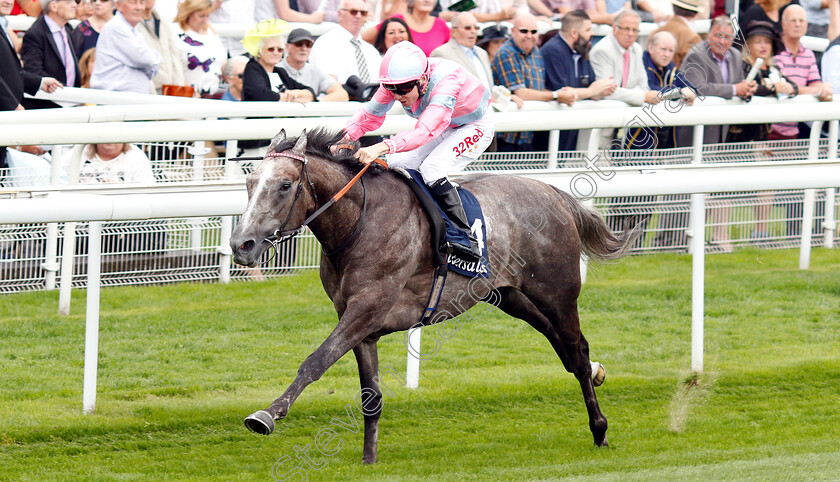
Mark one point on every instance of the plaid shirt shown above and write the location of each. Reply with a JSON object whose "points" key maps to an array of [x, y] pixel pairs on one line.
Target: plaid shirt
{"points": [[515, 69], [802, 70]]}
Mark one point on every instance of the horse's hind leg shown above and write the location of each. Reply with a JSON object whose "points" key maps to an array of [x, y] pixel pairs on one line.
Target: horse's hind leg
{"points": [[567, 326], [371, 397], [569, 344]]}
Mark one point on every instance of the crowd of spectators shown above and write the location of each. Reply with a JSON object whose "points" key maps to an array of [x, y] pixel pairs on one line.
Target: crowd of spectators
{"points": [[140, 49]]}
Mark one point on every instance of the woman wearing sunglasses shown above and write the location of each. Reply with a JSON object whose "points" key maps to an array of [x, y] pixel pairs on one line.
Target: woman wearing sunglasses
{"points": [[262, 80], [453, 124]]}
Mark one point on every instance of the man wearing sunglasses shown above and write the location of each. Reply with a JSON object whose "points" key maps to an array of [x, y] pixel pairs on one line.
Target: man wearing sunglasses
{"points": [[341, 52], [519, 66], [461, 48], [48, 49], [453, 124], [297, 65]]}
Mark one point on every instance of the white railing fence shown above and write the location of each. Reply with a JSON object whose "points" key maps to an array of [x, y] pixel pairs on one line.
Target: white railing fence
{"points": [[189, 253]]}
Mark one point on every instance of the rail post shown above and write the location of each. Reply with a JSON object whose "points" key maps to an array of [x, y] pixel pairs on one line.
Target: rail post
{"points": [[697, 235]]}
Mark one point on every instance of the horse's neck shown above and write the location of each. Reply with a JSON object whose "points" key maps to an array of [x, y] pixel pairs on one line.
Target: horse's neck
{"points": [[336, 224]]}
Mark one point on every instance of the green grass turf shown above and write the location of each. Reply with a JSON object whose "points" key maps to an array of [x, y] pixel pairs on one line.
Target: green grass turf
{"points": [[181, 365]]}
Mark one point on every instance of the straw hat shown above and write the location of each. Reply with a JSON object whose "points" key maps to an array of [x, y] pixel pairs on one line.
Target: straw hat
{"points": [[273, 27]]}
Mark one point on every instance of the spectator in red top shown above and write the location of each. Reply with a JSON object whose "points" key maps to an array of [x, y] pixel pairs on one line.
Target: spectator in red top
{"points": [[391, 32], [427, 31], [29, 7]]}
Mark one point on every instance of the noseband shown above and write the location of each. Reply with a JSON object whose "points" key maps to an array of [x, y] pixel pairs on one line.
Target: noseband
{"points": [[280, 236]]}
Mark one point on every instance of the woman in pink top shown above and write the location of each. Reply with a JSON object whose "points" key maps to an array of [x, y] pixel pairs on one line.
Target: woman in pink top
{"points": [[428, 32], [452, 108]]}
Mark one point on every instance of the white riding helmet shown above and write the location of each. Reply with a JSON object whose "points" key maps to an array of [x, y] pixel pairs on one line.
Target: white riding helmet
{"points": [[403, 62]]}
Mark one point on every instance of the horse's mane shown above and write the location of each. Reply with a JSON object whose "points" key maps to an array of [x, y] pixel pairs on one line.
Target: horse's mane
{"points": [[320, 141]]}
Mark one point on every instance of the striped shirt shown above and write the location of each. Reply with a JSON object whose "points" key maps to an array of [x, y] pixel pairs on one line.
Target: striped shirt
{"points": [[515, 69], [800, 69]]}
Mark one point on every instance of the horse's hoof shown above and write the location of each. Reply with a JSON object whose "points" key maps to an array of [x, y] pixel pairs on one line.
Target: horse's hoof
{"points": [[599, 373], [603, 443], [260, 422]]}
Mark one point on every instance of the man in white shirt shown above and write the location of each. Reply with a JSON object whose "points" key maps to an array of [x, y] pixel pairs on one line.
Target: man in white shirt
{"points": [[298, 47], [341, 52], [124, 62]]}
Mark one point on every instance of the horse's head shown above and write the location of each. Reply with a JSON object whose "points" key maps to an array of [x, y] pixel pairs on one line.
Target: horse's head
{"points": [[278, 199]]}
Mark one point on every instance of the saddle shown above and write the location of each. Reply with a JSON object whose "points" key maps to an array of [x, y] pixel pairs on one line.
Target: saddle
{"points": [[444, 231]]}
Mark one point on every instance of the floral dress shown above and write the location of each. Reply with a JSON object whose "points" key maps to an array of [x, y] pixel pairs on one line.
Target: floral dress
{"points": [[84, 37], [205, 56]]}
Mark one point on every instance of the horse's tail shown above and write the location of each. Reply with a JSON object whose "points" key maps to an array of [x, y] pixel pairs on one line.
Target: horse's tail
{"points": [[597, 240]]}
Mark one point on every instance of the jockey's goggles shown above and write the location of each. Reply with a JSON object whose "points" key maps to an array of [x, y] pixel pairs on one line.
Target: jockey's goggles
{"points": [[400, 89]]}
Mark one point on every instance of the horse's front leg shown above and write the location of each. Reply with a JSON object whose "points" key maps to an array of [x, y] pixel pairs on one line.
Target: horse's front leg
{"points": [[371, 397], [358, 321]]}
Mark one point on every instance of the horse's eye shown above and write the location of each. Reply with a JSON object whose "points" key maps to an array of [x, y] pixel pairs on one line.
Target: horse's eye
{"points": [[285, 186]]}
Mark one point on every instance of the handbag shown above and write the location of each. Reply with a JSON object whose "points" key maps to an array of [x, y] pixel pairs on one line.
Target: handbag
{"points": [[177, 90]]}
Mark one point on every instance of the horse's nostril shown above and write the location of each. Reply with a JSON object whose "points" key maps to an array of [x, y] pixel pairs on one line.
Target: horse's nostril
{"points": [[247, 245]]}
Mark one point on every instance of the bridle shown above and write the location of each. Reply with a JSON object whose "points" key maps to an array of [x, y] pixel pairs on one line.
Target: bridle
{"points": [[280, 235]]}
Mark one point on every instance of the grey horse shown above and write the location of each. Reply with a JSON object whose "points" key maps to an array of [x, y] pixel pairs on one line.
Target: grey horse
{"points": [[377, 266]]}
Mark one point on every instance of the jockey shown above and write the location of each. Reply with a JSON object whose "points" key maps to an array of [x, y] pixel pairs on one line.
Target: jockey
{"points": [[452, 108]]}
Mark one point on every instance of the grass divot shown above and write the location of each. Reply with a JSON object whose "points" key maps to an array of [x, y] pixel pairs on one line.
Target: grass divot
{"points": [[692, 391]]}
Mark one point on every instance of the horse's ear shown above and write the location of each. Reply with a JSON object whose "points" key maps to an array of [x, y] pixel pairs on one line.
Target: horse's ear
{"points": [[280, 137], [300, 145]]}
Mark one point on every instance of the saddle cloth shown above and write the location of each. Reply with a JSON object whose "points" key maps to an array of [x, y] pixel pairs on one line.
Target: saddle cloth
{"points": [[444, 231]]}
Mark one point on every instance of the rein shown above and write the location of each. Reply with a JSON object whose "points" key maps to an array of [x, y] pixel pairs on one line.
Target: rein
{"points": [[280, 236]]}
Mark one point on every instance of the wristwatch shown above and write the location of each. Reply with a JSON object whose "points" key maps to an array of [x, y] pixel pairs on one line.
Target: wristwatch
{"points": [[554, 95]]}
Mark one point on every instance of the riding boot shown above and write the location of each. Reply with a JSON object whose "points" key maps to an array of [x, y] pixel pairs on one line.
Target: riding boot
{"points": [[449, 201]]}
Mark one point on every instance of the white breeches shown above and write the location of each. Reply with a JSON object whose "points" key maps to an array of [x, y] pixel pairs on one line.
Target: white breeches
{"points": [[449, 152]]}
